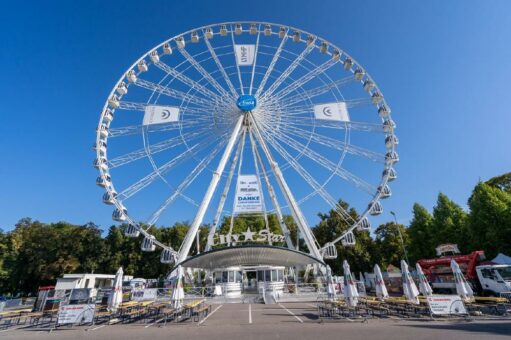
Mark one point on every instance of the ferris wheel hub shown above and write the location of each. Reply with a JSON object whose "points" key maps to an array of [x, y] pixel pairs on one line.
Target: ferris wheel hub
{"points": [[246, 102]]}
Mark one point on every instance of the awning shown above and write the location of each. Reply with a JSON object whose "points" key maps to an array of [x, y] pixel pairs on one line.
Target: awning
{"points": [[252, 255]]}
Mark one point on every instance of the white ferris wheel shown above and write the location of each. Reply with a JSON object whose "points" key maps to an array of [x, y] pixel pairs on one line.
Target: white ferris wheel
{"points": [[244, 117]]}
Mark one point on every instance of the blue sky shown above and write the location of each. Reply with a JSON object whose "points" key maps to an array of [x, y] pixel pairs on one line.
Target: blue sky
{"points": [[442, 65]]}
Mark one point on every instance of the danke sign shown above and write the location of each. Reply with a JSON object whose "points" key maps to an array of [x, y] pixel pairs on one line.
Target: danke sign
{"points": [[233, 239]]}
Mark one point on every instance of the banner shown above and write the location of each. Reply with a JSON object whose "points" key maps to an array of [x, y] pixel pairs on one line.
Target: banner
{"points": [[332, 111], [148, 294], [245, 54], [248, 196], [155, 114], [75, 314], [446, 305]]}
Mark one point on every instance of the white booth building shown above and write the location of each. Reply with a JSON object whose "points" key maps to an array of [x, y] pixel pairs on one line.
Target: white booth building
{"points": [[72, 281]]}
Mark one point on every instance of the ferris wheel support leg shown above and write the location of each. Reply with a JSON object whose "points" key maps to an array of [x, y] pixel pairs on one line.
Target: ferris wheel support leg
{"points": [[190, 235], [295, 209]]}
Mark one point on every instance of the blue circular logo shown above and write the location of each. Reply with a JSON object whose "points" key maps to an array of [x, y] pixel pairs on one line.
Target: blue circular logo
{"points": [[246, 102]]}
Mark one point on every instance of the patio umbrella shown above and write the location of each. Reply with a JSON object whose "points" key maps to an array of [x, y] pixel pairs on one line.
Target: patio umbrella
{"points": [[424, 286], [381, 290], [115, 297], [330, 283], [409, 288], [463, 289], [178, 294], [350, 286]]}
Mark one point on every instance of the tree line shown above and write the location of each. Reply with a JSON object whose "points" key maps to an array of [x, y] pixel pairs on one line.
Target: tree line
{"points": [[35, 254]]}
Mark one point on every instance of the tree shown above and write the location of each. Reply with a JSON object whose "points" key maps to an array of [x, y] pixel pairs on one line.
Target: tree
{"points": [[449, 223], [490, 219], [503, 182], [389, 244], [421, 234]]}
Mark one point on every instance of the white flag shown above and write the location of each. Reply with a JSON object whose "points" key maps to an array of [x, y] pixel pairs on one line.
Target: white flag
{"points": [[332, 111], [155, 114], [245, 54]]}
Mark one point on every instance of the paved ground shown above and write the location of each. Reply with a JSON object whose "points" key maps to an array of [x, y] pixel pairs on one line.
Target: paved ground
{"points": [[294, 321]]}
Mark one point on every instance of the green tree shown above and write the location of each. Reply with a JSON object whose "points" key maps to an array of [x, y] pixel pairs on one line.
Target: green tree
{"points": [[420, 234], [389, 244], [449, 223], [503, 182]]}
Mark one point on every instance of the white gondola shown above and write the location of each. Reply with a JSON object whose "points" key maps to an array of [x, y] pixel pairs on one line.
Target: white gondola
{"points": [[180, 42], [384, 191], [120, 215], [154, 56], [282, 32], [376, 98], [389, 126], [383, 111], [208, 33], [102, 130], [131, 76], [336, 55], [223, 30], [296, 36], [390, 173], [348, 64], [253, 29], [142, 66], [329, 251], [376, 209], [166, 256], [104, 181], [113, 101], [323, 47], [391, 141], [391, 158], [310, 40], [100, 146], [238, 29], [167, 49], [131, 231], [359, 74], [108, 116], [109, 197], [100, 163], [267, 30], [364, 224], [148, 243], [368, 85], [348, 239], [121, 89], [194, 37]]}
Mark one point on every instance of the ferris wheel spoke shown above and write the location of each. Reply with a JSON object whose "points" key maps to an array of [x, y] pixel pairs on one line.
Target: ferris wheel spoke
{"points": [[186, 183], [326, 163], [190, 82], [272, 64], [255, 60], [203, 72], [199, 111], [221, 68], [327, 124], [155, 148], [284, 75], [309, 179], [138, 129], [242, 89]]}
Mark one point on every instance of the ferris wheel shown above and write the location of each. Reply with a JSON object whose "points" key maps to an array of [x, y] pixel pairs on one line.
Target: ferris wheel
{"points": [[244, 117]]}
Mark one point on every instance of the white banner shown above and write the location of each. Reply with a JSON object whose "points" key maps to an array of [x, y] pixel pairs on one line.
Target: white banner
{"points": [[248, 196], [245, 54], [148, 294], [155, 114], [76, 314], [446, 305], [332, 111]]}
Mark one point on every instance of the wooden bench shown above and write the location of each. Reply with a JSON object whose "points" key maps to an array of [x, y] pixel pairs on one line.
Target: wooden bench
{"points": [[202, 311]]}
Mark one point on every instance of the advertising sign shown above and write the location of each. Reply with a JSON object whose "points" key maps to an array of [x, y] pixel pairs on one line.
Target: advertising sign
{"points": [[148, 294], [446, 305], [245, 54], [76, 314], [248, 196], [332, 111], [155, 114]]}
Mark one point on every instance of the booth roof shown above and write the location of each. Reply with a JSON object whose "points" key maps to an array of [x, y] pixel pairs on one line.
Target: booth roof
{"points": [[252, 255]]}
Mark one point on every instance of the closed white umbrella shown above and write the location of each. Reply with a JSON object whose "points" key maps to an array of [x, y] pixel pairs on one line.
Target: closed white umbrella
{"points": [[115, 297], [381, 290], [330, 283], [409, 288], [463, 289], [178, 294], [424, 286], [350, 286]]}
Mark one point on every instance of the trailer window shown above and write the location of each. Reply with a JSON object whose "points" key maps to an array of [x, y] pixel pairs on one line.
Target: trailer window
{"points": [[505, 273], [487, 273]]}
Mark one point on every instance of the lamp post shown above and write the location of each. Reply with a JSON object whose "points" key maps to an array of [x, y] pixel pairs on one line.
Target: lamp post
{"points": [[400, 236]]}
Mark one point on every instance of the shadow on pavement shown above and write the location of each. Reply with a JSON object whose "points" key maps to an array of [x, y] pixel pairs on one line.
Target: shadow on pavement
{"points": [[500, 328]]}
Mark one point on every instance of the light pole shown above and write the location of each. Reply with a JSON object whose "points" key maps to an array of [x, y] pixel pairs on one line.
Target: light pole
{"points": [[400, 236]]}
